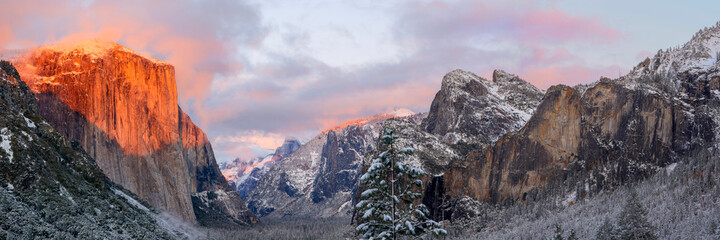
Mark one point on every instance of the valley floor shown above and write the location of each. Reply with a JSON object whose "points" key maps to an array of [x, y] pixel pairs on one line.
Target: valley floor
{"points": [[287, 229]]}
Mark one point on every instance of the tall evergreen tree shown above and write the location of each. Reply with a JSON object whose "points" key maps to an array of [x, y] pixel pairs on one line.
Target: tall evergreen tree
{"points": [[389, 205], [606, 231], [633, 223], [558, 232]]}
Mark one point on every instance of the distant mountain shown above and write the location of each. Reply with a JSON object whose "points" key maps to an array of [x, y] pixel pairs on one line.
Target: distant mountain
{"points": [[243, 175], [122, 109], [320, 178], [51, 188]]}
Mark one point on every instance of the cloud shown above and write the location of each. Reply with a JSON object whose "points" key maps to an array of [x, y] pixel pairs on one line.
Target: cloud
{"points": [[247, 145], [296, 93], [248, 86]]}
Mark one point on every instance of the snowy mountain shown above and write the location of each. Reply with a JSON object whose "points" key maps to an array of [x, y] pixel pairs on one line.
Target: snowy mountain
{"points": [[243, 175], [584, 141], [320, 178], [467, 113]]}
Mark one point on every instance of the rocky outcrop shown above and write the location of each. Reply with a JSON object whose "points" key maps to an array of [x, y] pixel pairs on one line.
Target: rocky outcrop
{"points": [[469, 109], [50, 187], [122, 109]]}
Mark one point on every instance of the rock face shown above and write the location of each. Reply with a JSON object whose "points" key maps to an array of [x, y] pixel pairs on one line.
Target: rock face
{"points": [[122, 109], [589, 138], [467, 113], [51, 188], [320, 178], [470, 109]]}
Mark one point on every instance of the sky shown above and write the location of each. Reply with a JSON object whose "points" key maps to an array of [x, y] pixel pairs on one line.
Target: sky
{"points": [[251, 73]]}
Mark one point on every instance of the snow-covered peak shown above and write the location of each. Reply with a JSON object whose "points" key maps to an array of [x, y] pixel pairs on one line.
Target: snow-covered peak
{"points": [[504, 86], [699, 55], [400, 112], [458, 78], [469, 108]]}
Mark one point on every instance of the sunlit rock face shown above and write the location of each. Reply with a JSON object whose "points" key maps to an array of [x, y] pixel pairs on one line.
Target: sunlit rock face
{"points": [[122, 109], [50, 188]]}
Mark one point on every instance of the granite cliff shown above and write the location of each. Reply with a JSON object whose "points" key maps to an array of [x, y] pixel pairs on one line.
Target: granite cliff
{"points": [[122, 108], [51, 188]]}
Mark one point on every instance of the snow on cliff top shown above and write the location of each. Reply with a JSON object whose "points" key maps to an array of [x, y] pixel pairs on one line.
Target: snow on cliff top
{"points": [[508, 92], [400, 112], [96, 48]]}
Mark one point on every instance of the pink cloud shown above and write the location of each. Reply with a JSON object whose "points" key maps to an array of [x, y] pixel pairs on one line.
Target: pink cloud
{"points": [[558, 26], [525, 23], [291, 94]]}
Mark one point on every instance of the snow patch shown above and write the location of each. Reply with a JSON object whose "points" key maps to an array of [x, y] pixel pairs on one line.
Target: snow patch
{"points": [[5, 144], [30, 138], [66, 194], [670, 168], [29, 123], [344, 206], [131, 200], [570, 199]]}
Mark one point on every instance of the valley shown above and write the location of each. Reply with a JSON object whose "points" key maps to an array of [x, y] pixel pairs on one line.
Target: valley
{"points": [[94, 144]]}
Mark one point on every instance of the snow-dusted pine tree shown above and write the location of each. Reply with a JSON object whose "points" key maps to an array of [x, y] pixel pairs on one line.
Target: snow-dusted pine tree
{"points": [[606, 231], [389, 206], [559, 234], [633, 223]]}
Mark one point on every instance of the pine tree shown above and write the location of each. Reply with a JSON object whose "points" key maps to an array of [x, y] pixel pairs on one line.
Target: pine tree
{"points": [[389, 204], [633, 223], [558, 232], [572, 236], [606, 231]]}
